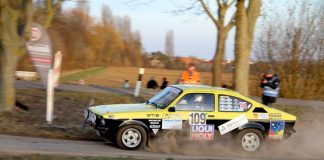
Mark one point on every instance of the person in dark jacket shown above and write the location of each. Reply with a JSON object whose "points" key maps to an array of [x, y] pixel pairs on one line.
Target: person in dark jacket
{"points": [[152, 84], [164, 83], [270, 85]]}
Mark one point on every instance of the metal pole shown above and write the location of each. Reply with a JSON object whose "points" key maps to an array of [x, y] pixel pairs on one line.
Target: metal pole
{"points": [[139, 82]]}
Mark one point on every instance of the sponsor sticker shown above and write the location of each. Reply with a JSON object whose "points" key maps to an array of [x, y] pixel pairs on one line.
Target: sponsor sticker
{"points": [[155, 131], [275, 116], [155, 123], [172, 124], [152, 115], [202, 132], [260, 116], [232, 124], [276, 130]]}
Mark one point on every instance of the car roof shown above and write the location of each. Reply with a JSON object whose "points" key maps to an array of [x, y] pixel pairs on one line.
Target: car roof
{"points": [[187, 87]]}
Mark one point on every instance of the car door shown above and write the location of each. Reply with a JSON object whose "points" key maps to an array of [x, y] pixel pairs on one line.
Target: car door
{"points": [[230, 106], [194, 110]]}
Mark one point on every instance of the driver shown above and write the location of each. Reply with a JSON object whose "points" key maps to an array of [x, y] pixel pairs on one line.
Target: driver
{"points": [[198, 102]]}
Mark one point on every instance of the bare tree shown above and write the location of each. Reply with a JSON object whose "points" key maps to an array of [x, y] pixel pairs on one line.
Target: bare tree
{"points": [[245, 24], [107, 16], [169, 44], [222, 31], [83, 5], [293, 45], [223, 26]]}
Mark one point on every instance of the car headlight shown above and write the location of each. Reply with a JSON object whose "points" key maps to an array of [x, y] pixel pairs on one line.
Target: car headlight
{"points": [[92, 118]]}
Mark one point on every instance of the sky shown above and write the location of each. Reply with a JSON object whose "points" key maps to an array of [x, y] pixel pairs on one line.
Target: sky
{"points": [[194, 35]]}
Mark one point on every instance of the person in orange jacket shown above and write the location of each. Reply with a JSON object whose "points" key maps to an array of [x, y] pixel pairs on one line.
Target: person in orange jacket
{"points": [[190, 76]]}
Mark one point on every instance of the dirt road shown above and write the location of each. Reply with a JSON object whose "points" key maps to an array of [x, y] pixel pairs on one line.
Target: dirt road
{"points": [[298, 147]]}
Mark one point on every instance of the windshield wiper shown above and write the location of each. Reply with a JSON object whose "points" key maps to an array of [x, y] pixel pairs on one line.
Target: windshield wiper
{"points": [[151, 103], [155, 104]]}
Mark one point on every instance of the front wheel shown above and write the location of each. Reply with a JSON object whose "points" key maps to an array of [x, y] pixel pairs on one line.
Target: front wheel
{"points": [[249, 140], [131, 137]]}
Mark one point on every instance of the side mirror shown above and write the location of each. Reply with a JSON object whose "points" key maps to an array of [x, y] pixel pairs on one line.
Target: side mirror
{"points": [[171, 109]]}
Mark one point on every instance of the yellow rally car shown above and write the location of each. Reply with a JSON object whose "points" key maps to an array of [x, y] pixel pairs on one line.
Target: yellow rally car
{"points": [[203, 112]]}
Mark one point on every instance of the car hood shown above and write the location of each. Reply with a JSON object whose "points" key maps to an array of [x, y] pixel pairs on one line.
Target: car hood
{"points": [[114, 108]]}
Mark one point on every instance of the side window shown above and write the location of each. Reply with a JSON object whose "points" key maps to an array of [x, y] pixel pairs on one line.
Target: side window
{"points": [[196, 102], [228, 103]]}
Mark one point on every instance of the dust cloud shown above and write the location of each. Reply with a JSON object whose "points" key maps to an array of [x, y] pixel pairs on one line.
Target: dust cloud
{"points": [[306, 143]]}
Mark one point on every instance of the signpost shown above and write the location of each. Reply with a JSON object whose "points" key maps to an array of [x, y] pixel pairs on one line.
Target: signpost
{"points": [[57, 68], [139, 82], [50, 97], [40, 53]]}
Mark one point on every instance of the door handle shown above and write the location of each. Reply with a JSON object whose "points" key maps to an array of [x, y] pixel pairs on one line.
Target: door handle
{"points": [[211, 116]]}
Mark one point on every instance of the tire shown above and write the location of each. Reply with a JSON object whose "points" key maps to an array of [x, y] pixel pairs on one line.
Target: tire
{"points": [[249, 140], [131, 137]]}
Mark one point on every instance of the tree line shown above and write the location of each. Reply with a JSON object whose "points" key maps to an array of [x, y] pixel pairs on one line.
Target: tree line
{"points": [[86, 42]]}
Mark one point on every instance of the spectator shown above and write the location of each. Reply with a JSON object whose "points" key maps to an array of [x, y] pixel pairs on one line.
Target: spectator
{"points": [[190, 76], [152, 83], [126, 84], [270, 85], [164, 83]]}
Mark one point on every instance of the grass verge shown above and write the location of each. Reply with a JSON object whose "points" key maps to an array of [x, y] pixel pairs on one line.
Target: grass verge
{"points": [[68, 113], [76, 76]]}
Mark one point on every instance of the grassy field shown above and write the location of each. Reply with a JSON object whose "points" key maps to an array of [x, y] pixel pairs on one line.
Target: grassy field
{"points": [[75, 76], [56, 157], [115, 76], [68, 113]]}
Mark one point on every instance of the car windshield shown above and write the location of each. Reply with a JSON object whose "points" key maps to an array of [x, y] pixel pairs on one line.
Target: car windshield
{"points": [[165, 97]]}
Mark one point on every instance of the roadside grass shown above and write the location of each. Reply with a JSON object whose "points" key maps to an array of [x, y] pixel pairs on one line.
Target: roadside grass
{"points": [[58, 157], [68, 114], [74, 77]]}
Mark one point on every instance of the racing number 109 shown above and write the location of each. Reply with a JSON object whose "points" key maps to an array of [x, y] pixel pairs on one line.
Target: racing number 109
{"points": [[197, 118]]}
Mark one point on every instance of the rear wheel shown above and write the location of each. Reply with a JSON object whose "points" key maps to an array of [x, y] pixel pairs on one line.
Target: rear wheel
{"points": [[249, 140], [131, 137]]}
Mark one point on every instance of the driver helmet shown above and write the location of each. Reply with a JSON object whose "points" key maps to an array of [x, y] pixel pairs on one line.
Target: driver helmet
{"points": [[198, 99]]}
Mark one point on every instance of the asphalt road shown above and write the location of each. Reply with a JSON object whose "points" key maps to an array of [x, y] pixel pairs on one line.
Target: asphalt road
{"points": [[27, 145]]}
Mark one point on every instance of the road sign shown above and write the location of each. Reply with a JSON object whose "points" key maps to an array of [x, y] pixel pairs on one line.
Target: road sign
{"points": [[40, 51]]}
